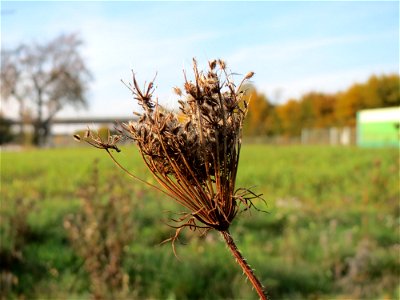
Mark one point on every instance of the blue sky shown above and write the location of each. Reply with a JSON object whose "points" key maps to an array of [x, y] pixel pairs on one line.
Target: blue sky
{"points": [[293, 47]]}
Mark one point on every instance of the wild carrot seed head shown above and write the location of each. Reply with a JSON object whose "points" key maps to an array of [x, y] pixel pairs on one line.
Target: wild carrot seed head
{"points": [[194, 154]]}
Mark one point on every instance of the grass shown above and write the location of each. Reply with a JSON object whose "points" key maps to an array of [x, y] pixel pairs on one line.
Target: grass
{"points": [[332, 230]]}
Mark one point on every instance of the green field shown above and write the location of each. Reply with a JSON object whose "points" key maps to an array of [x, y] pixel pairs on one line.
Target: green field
{"points": [[331, 231]]}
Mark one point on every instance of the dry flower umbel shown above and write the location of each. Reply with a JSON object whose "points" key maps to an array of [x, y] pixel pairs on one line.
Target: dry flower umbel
{"points": [[194, 154]]}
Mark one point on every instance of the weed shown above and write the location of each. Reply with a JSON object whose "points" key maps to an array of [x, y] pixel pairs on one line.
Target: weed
{"points": [[194, 156], [15, 234], [100, 234]]}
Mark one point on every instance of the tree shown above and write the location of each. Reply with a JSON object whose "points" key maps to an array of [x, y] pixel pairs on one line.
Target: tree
{"points": [[317, 110], [378, 91], [10, 75], [382, 91], [290, 118], [261, 117], [256, 114], [5, 131], [349, 102], [45, 77]]}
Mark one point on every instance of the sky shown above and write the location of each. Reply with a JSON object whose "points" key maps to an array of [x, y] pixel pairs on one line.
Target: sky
{"points": [[293, 47]]}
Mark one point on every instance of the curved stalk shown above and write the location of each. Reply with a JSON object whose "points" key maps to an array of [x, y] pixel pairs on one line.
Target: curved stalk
{"points": [[244, 265]]}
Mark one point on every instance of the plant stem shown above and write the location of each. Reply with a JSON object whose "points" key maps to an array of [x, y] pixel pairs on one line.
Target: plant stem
{"points": [[244, 265]]}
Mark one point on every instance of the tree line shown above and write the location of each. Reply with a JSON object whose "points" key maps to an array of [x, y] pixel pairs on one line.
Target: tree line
{"points": [[319, 110]]}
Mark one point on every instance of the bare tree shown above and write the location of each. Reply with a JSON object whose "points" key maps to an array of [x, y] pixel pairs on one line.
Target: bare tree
{"points": [[10, 75], [45, 78]]}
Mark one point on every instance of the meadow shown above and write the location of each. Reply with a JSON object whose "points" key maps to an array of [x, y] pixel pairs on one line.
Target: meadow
{"points": [[331, 230]]}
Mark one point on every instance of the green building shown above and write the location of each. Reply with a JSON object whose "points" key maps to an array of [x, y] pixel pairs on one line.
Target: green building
{"points": [[378, 127]]}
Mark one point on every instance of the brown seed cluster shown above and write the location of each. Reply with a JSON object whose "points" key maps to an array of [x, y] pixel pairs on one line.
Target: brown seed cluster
{"points": [[194, 154]]}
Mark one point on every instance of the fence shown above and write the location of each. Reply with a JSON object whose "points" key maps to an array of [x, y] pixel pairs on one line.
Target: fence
{"points": [[329, 136]]}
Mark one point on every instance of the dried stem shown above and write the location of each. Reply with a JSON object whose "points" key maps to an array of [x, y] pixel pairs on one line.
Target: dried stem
{"points": [[244, 265]]}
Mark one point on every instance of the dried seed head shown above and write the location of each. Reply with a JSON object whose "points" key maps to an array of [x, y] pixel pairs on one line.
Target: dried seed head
{"points": [[194, 155], [177, 91], [249, 75], [222, 64], [212, 64], [196, 159]]}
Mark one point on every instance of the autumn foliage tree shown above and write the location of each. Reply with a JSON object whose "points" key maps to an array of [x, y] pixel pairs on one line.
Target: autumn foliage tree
{"points": [[320, 110], [261, 117], [348, 104], [45, 78], [317, 110], [257, 113], [378, 91], [290, 117]]}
